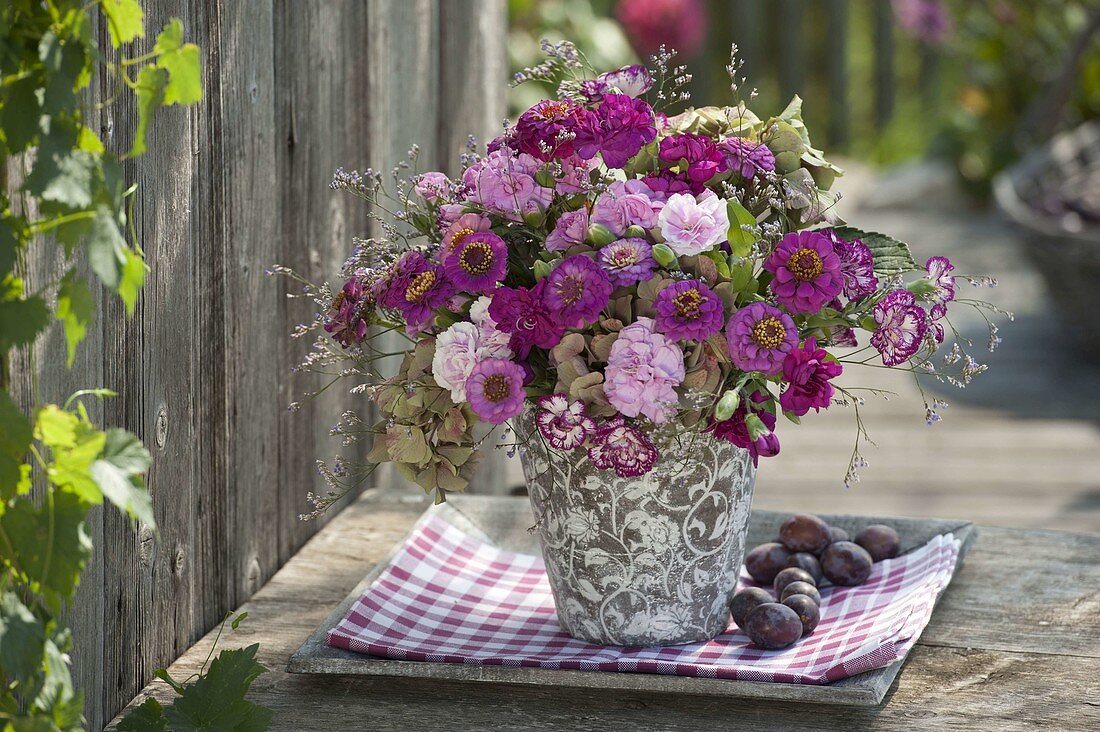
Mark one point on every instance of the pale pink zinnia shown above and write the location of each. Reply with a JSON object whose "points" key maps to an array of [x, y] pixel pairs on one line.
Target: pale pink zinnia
{"points": [[643, 371]]}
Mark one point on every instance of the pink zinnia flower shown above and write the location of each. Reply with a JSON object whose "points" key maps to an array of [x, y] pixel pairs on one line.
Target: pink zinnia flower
{"points": [[545, 131], [459, 229], [477, 263], [643, 371], [901, 327], [570, 229], [521, 314], [736, 431], [807, 373], [495, 390], [760, 336], [617, 129], [693, 225], [806, 271], [576, 291], [565, 425], [688, 310], [628, 261], [626, 450]]}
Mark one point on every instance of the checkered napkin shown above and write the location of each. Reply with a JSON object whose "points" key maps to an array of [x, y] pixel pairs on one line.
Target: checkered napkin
{"points": [[449, 597]]}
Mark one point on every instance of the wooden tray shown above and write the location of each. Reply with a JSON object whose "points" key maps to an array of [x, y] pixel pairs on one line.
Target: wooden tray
{"points": [[504, 522]]}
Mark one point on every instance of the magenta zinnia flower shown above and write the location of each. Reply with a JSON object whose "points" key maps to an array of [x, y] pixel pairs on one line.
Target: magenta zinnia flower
{"points": [[545, 131], [760, 336], [939, 272], [617, 129], [747, 157], [565, 425], [463, 226], [628, 261], [688, 310], [477, 263], [901, 327], [643, 371], [703, 159], [626, 450], [808, 372], [857, 267], [577, 290], [521, 314], [736, 431], [415, 287], [347, 318], [806, 271], [494, 390]]}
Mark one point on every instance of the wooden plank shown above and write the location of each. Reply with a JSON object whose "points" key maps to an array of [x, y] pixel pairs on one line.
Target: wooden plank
{"points": [[836, 69], [792, 52], [962, 684], [884, 81], [746, 20]]}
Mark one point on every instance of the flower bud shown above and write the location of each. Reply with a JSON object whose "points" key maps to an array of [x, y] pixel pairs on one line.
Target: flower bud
{"points": [[664, 255], [542, 269], [756, 427], [599, 235], [634, 231], [727, 405], [535, 219]]}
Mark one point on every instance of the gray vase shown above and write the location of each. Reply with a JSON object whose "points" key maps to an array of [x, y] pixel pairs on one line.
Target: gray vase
{"points": [[646, 561]]}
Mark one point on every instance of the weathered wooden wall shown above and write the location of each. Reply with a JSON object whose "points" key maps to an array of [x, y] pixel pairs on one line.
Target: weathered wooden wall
{"points": [[293, 89]]}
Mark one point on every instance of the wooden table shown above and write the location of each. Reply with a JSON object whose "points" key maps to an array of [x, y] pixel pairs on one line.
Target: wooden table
{"points": [[1015, 643]]}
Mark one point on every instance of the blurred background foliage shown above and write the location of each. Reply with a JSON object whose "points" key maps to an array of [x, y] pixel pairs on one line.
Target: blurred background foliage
{"points": [[978, 82]]}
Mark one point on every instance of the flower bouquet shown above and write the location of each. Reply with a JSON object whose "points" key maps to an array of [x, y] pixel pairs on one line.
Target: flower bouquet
{"points": [[634, 299]]}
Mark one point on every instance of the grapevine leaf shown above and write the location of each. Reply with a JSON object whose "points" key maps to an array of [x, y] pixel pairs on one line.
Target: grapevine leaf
{"points": [[89, 141], [106, 248], [216, 700], [9, 243], [118, 474], [124, 18], [133, 279], [182, 62], [150, 96], [57, 694], [170, 39], [147, 717], [15, 440], [20, 113], [22, 638], [21, 320], [75, 308], [63, 175], [52, 568], [890, 255]]}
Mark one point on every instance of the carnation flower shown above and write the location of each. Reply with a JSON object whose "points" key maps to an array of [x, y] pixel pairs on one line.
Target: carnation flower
{"points": [[693, 225], [857, 267], [495, 390], [936, 313], [688, 310], [545, 131], [504, 183], [347, 318], [808, 372], [617, 129], [521, 314], [806, 271], [939, 273], [747, 157], [627, 261], [643, 371], [901, 327], [736, 431], [699, 152], [622, 205], [574, 175], [565, 425], [459, 229], [577, 290], [432, 185], [760, 336], [665, 183], [569, 230], [415, 287], [626, 450], [477, 263], [633, 81]]}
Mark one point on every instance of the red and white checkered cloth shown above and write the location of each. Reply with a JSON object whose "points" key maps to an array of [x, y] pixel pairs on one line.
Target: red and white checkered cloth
{"points": [[449, 597]]}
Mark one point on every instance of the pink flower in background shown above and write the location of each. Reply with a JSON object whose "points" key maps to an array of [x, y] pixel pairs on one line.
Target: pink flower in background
{"points": [[928, 21], [570, 229], [458, 349], [628, 261], [633, 81], [736, 431], [703, 159], [678, 24], [747, 157], [622, 205], [505, 183], [806, 271], [808, 373], [459, 229], [617, 129], [643, 371], [576, 291], [545, 131], [901, 327], [939, 272], [495, 390], [521, 314], [432, 186], [477, 263], [688, 310], [565, 425], [693, 225], [626, 450], [857, 267], [760, 336]]}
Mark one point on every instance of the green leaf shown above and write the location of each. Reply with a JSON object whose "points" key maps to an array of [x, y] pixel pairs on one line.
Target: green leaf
{"points": [[55, 427], [183, 63], [52, 567], [57, 694], [740, 240], [75, 308], [216, 700], [22, 639], [147, 717], [891, 256], [151, 82], [118, 474], [15, 440], [21, 320], [124, 18], [106, 248], [89, 141], [133, 279], [64, 176], [20, 112], [9, 244]]}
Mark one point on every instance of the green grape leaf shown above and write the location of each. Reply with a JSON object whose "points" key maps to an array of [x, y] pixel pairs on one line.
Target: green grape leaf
{"points": [[21, 320], [891, 256], [75, 308], [147, 717], [9, 244], [22, 639], [20, 113], [216, 700], [151, 82], [63, 175], [170, 39], [740, 240], [125, 20], [75, 445], [57, 694], [55, 427], [118, 472], [133, 279], [15, 440], [106, 248], [183, 63], [52, 568], [89, 141]]}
